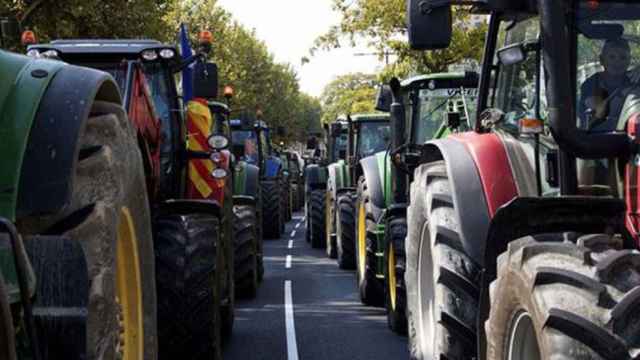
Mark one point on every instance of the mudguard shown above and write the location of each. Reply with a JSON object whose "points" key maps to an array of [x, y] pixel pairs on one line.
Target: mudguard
{"points": [[24, 83], [338, 178], [378, 183], [52, 150], [185, 207], [247, 180], [315, 177], [272, 167], [467, 192]]}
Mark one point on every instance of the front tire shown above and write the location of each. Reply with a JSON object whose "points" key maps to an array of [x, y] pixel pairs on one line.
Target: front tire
{"points": [[7, 332], [272, 213], [246, 251], [370, 287], [440, 278], [189, 282], [317, 217], [346, 232], [565, 300], [395, 291]]}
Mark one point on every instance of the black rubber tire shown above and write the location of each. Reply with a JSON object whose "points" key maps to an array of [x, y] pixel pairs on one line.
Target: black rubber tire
{"points": [[246, 251], [188, 283], [317, 214], [7, 332], [395, 234], [346, 232], [582, 299], [284, 198], [295, 198], [272, 214], [448, 281], [371, 288], [330, 224], [228, 297], [109, 178]]}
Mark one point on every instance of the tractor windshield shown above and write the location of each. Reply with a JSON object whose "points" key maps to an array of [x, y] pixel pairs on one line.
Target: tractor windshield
{"points": [[373, 137], [431, 109], [339, 149], [244, 145]]}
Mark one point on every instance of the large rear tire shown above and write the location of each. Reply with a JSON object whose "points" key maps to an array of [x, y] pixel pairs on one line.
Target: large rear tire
{"points": [[346, 232], [561, 300], [189, 281], [370, 287], [246, 251], [440, 278], [317, 218], [272, 213], [109, 216], [394, 259]]}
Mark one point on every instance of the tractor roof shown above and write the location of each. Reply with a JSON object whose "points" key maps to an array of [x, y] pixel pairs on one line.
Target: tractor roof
{"points": [[99, 48], [370, 117], [442, 81]]}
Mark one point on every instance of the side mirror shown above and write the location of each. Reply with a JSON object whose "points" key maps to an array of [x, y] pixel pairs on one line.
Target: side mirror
{"points": [[512, 54], [429, 24], [205, 80], [383, 98]]}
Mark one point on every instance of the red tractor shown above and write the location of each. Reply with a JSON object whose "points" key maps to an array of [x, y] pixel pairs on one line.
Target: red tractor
{"points": [[523, 234]]}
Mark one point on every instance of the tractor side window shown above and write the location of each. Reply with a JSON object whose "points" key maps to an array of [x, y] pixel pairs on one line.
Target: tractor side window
{"points": [[373, 137], [516, 88]]}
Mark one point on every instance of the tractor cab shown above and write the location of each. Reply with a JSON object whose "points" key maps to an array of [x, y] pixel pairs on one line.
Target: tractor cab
{"points": [[144, 71], [337, 138], [369, 134], [438, 104]]}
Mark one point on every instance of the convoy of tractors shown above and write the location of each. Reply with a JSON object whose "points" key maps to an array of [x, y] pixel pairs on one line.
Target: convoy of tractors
{"points": [[480, 209]]}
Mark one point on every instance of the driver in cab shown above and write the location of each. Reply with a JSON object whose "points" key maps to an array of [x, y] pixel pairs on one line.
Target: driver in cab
{"points": [[603, 94]]}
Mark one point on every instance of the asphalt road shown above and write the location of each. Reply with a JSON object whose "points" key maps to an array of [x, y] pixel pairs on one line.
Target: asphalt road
{"points": [[324, 318]]}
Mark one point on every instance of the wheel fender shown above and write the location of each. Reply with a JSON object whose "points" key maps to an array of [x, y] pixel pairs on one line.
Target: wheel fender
{"points": [[247, 179], [315, 177], [244, 200], [51, 154], [185, 207], [467, 192], [372, 176], [336, 179]]}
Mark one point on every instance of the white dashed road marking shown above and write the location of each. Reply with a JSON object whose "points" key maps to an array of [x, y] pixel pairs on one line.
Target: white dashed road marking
{"points": [[288, 262], [293, 233], [298, 225], [292, 345], [290, 244]]}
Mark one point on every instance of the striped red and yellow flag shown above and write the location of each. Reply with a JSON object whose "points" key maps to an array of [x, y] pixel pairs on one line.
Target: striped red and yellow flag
{"points": [[201, 184]]}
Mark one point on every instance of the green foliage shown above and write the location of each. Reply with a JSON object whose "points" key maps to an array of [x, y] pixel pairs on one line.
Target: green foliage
{"points": [[87, 18], [246, 64], [382, 25], [349, 94]]}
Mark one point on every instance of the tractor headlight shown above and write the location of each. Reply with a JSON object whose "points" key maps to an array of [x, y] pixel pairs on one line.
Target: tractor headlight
{"points": [[33, 53], [218, 142], [50, 54], [167, 53], [149, 55], [219, 173]]}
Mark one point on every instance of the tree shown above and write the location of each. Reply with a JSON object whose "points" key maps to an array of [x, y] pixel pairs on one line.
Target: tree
{"points": [[88, 18], [381, 23], [349, 94]]}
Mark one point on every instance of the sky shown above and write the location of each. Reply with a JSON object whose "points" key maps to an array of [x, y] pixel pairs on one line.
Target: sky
{"points": [[289, 28]]}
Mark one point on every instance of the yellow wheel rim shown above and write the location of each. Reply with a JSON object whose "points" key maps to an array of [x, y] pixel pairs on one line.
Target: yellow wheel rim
{"points": [[128, 290], [362, 239], [391, 264]]}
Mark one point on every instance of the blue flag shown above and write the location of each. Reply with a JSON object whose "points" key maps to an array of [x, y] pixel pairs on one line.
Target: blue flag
{"points": [[187, 73]]}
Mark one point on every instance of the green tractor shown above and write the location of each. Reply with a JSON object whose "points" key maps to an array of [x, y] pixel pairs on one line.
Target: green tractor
{"points": [[251, 143], [189, 192], [438, 105], [316, 176], [368, 134], [76, 251], [296, 180]]}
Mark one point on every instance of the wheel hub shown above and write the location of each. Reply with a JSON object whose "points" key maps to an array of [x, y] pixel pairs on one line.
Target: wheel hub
{"points": [[523, 343]]}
